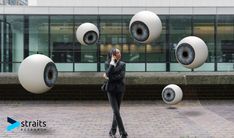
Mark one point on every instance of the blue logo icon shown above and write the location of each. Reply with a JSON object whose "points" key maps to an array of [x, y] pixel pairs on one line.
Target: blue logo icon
{"points": [[14, 124]]}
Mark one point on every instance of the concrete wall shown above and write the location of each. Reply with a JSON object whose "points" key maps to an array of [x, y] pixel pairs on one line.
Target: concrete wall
{"points": [[138, 78], [140, 86]]}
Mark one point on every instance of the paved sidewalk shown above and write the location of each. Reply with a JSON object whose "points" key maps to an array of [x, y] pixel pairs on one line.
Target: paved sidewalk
{"points": [[142, 119]]}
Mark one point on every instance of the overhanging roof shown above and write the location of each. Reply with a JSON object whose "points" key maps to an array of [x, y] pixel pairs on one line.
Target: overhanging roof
{"points": [[112, 10]]}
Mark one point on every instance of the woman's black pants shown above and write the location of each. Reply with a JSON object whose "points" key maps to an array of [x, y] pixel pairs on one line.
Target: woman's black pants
{"points": [[115, 98]]}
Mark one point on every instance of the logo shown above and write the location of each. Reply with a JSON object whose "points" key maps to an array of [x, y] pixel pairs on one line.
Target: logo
{"points": [[26, 125], [14, 124]]}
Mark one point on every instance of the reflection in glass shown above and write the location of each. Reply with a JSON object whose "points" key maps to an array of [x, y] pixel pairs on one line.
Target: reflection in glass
{"points": [[203, 27], [13, 41], [85, 53], [156, 51], [225, 42], [133, 52], [38, 35], [61, 43], [110, 34], [180, 26]]}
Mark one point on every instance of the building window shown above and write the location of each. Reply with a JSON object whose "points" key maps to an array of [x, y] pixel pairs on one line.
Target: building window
{"points": [[225, 43], [203, 27], [61, 42], [134, 53], [111, 35], [14, 41], [85, 57], [38, 35], [180, 26], [156, 51], [1, 42]]}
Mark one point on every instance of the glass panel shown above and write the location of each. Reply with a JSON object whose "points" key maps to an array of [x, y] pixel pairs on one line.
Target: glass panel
{"points": [[225, 42], [102, 66], [203, 27], [1, 41], [178, 67], [17, 29], [205, 67], [38, 35], [156, 66], [132, 51], [135, 67], [179, 27], [85, 67], [14, 30], [61, 43], [225, 66], [156, 51], [16, 67], [111, 34], [64, 66]]}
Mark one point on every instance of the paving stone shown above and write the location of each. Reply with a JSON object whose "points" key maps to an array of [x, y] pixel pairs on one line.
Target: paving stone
{"points": [[142, 119]]}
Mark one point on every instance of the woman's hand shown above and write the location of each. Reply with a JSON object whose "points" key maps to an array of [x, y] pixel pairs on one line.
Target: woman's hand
{"points": [[104, 75], [113, 58]]}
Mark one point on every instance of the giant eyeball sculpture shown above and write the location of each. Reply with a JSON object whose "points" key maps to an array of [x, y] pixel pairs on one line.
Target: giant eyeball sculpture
{"points": [[172, 94], [191, 52], [87, 34], [145, 26], [37, 73]]}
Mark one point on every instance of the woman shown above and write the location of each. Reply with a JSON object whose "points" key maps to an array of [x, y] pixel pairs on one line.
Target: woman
{"points": [[115, 74]]}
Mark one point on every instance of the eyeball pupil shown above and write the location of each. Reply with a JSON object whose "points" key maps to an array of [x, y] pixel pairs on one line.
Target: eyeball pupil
{"points": [[90, 37], [50, 74], [168, 95], [185, 54], [139, 31]]}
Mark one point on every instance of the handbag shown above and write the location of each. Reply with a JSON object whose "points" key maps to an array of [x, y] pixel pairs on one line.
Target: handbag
{"points": [[104, 86]]}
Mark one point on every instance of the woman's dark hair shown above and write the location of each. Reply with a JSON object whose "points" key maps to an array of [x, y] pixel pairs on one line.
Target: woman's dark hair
{"points": [[109, 55]]}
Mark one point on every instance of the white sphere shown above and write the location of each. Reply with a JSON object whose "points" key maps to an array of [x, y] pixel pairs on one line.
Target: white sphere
{"points": [[37, 73], [172, 94], [191, 52], [87, 34], [145, 26]]}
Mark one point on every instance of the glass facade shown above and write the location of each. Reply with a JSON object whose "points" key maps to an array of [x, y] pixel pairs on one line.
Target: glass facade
{"points": [[61, 42], [1, 42], [179, 27], [13, 48], [224, 55], [54, 36], [204, 27], [156, 51], [85, 57], [38, 35]]}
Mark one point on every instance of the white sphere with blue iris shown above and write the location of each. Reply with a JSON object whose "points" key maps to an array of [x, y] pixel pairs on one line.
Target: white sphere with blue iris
{"points": [[37, 73]]}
